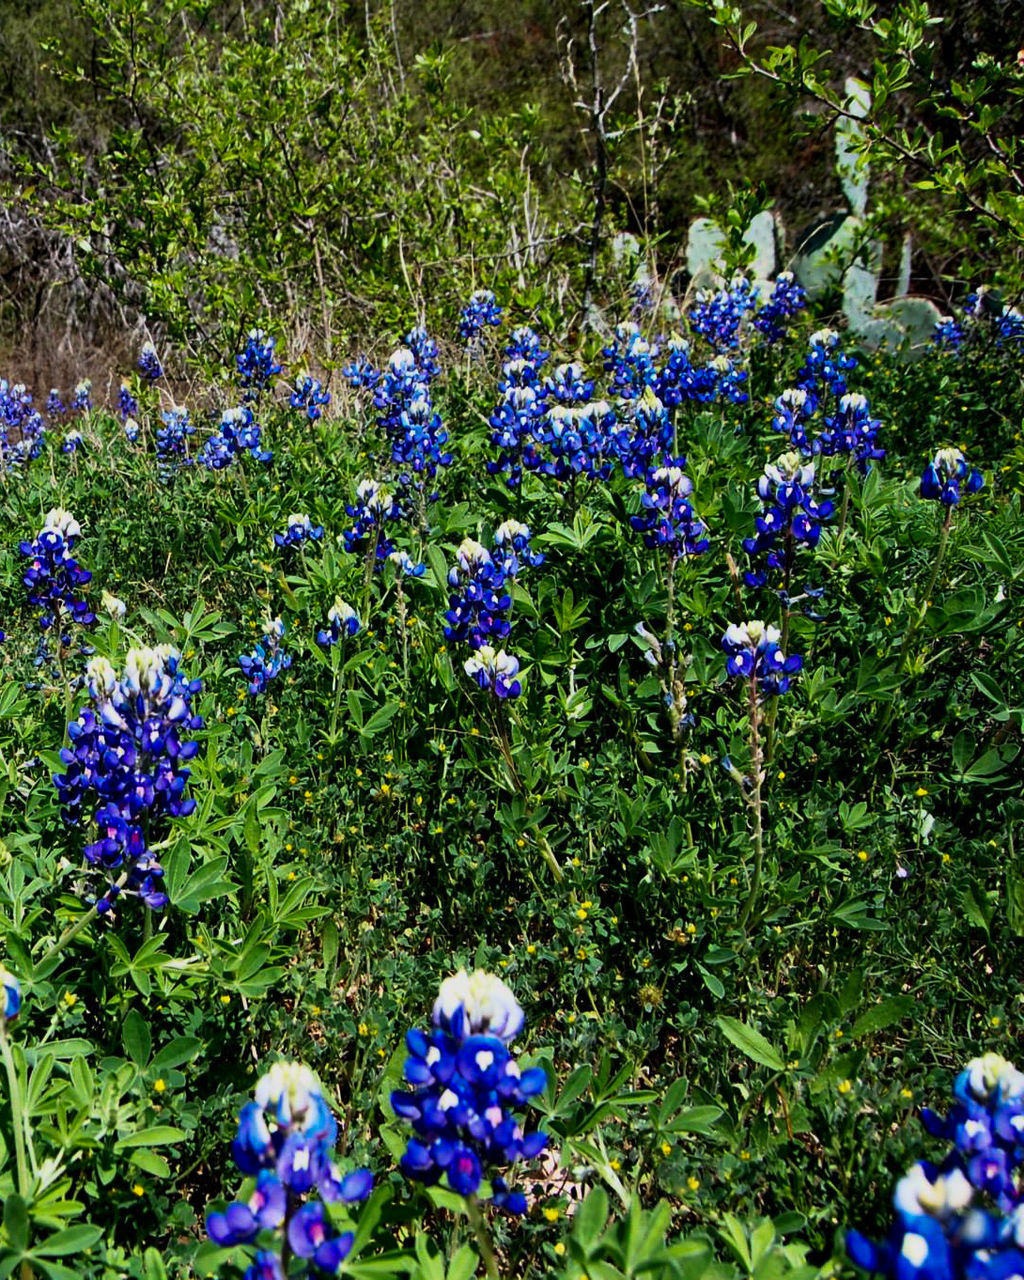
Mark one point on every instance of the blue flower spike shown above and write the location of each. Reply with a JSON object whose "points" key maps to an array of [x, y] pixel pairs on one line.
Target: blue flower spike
{"points": [[285, 1139], [754, 654], [944, 476], [12, 996], [464, 1089]]}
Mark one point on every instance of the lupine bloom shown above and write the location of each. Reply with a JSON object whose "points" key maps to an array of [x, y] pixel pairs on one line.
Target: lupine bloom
{"points": [[342, 620], [716, 317], [512, 547], [464, 1088], [944, 475], [300, 529], [11, 996], [947, 334], [524, 344], [127, 405], [495, 671], [131, 430], [569, 385], [308, 394], [257, 365], [793, 409], [629, 360], [481, 310], [361, 373], [237, 433], [424, 350], [374, 509], [824, 369], [285, 1140], [754, 654], [1010, 327], [267, 660], [851, 431], [72, 442], [18, 416], [128, 754], [962, 1219], [406, 565], [82, 399], [55, 406], [791, 515], [171, 441], [53, 575], [149, 363], [480, 601], [666, 519], [517, 427], [787, 299]]}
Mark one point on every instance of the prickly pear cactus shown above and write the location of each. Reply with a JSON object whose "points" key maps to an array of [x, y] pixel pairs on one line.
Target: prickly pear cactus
{"points": [[850, 164]]}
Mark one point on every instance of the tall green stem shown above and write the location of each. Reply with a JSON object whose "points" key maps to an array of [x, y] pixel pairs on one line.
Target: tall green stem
{"points": [[483, 1237], [73, 930], [18, 1118], [755, 803]]}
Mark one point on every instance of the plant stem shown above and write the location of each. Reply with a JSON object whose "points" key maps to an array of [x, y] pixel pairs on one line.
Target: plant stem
{"points": [[754, 800], [73, 930], [483, 1237], [18, 1118]]}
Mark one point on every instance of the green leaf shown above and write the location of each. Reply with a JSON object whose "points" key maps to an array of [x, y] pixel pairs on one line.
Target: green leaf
{"points": [[882, 1015], [16, 1221], [71, 1240], [750, 1042], [136, 1038], [155, 1136]]}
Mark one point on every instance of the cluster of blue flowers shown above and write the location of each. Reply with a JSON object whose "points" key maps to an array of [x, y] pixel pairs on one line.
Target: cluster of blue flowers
{"points": [[300, 529], [149, 365], [791, 517], [55, 406], [127, 404], [944, 475], [517, 422], [464, 1088], [851, 432], [480, 310], [310, 395], [753, 653], [172, 441], [53, 575], [72, 442], [237, 433], [127, 753], [373, 511], [267, 660], [964, 1218], [22, 429], [342, 620], [787, 300], [257, 365], [717, 317], [12, 996], [481, 603], [666, 519], [986, 320], [81, 401], [285, 1141]]}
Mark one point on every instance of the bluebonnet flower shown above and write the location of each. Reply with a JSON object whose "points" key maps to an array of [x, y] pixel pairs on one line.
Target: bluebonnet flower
{"points": [[579, 440], [786, 300], [257, 365], [308, 394], [131, 430], [342, 620], [793, 410], [481, 310], [406, 565], [644, 434], [791, 516], [851, 432], [374, 509], [18, 417], [237, 433], [728, 379], [53, 575], [465, 1087], [149, 365], [127, 405], [512, 548], [55, 406], [361, 373], [568, 385], [754, 654], [424, 352], [717, 317], [418, 443], [1010, 327], [11, 997], [171, 441], [524, 344], [629, 360], [267, 660], [300, 529], [944, 475], [962, 1219], [285, 1139], [823, 371], [667, 519], [948, 334], [72, 442], [128, 755], [481, 601], [115, 607], [82, 399], [516, 429], [495, 671]]}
